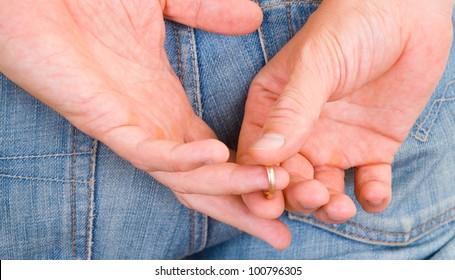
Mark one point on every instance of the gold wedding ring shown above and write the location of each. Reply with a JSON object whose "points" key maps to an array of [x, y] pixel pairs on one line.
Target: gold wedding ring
{"points": [[271, 177]]}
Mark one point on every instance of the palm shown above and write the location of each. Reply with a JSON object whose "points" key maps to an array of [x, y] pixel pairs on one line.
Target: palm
{"points": [[113, 60], [363, 128]]}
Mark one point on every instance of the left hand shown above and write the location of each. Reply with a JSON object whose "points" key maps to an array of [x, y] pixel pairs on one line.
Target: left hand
{"points": [[344, 92], [102, 65]]}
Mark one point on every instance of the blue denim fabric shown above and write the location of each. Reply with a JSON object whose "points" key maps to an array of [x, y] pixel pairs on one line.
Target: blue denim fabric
{"points": [[64, 195]]}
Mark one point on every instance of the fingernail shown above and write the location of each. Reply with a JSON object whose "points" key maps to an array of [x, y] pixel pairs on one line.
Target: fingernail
{"points": [[269, 142]]}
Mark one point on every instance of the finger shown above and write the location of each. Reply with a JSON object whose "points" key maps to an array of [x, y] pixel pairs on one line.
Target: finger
{"points": [[230, 17], [231, 210], [304, 194], [265, 208], [145, 152], [373, 187], [331, 177], [340, 207], [222, 179], [272, 207]]}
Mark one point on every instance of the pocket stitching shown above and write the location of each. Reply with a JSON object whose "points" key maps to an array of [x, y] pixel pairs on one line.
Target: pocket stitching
{"points": [[12, 176], [344, 232], [304, 2], [422, 132]]}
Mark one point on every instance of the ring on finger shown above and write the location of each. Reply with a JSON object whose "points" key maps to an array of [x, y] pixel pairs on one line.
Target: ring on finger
{"points": [[271, 178]]}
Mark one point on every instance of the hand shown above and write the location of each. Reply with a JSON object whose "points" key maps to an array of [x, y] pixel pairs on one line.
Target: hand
{"points": [[102, 65], [344, 92]]}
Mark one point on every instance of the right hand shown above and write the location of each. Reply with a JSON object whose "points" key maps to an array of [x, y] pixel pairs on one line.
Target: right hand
{"points": [[102, 65], [344, 93]]}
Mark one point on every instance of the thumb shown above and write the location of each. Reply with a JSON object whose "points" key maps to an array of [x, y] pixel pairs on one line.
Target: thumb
{"points": [[297, 104], [230, 17]]}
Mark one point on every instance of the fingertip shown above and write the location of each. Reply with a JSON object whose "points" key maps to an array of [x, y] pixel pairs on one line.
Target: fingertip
{"points": [[276, 234], [267, 149], [339, 209], [229, 17], [375, 197], [282, 240], [217, 151], [255, 16], [282, 178], [265, 208], [307, 195], [280, 141], [373, 187]]}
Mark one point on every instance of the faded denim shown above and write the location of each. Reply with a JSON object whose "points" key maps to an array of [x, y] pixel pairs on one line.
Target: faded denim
{"points": [[64, 195]]}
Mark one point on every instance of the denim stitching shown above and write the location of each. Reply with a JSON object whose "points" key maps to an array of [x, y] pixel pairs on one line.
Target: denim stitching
{"points": [[386, 233], [436, 106], [180, 68], [42, 156], [262, 41], [288, 14], [376, 241], [195, 70], [198, 100], [179, 54], [393, 232], [192, 224], [204, 229], [90, 201], [307, 2], [73, 196], [42, 179]]}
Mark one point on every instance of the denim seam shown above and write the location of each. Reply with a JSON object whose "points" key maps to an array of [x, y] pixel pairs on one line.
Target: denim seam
{"points": [[192, 225], [90, 201], [357, 236], [262, 41], [73, 196], [307, 2], [436, 106], [42, 179], [195, 71], [201, 231], [376, 241], [42, 156], [394, 232], [204, 230], [288, 14], [179, 53]]}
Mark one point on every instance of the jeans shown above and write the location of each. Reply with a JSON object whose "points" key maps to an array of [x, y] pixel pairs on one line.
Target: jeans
{"points": [[64, 195]]}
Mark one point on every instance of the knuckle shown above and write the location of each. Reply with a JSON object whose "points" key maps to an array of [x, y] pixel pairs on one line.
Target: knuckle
{"points": [[291, 110], [195, 11]]}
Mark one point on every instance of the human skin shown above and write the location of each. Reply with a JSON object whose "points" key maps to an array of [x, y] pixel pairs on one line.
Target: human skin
{"points": [[344, 93], [102, 65]]}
